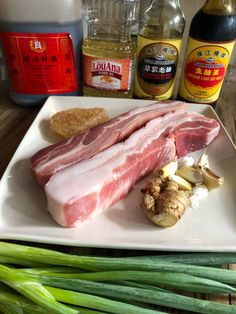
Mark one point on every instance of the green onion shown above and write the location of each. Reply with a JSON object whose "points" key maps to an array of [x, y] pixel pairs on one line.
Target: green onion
{"points": [[51, 257], [15, 302], [32, 290], [103, 263], [99, 303], [10, 309], [140, 285], [18, 261], [146, 296], [83, 310], [136, 294], [44, 255], [142, 273], [165, 279], [52, 270], [203, 259], [37, 293]]}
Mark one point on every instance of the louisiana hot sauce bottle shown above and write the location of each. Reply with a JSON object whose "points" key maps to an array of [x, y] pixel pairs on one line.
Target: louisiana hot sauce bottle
{"points": [[210, 45], [158, 46]]}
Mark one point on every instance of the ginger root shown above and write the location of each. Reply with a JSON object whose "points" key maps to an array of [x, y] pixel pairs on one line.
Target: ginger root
{"points": [[163, 203]]}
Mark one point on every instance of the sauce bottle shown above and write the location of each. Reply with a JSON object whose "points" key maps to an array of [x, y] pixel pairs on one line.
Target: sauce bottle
{"points": [[108, 50], [211, 41], [159, 40], [41, 42]]}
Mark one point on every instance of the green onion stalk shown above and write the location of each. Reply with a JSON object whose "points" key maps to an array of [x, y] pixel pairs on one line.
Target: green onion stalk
{"points": [[10, 302], [204, 259], [37, 293], [150, 297], [32, 290], [23, 254], [103, 263], [145, 295], [13, 303], [49, 285], [140, 285], [10, 309], [93, 301], [165, 279], [19, 261]]}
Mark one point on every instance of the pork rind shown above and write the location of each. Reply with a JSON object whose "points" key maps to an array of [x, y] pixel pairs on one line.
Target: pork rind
{"points": [[74, 121]]}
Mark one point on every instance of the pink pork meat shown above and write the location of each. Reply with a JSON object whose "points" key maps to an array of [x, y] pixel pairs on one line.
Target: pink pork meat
{"points": [[56, 157], [85, 189], [193, 134]]}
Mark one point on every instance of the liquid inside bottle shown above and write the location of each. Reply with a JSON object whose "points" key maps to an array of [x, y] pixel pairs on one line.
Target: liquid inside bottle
{"points": [[42, 52], [108, 50], [159, 41]]}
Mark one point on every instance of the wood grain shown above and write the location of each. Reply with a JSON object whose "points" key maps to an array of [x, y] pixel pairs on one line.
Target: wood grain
{"points": [[14, 122], [226, 105]]}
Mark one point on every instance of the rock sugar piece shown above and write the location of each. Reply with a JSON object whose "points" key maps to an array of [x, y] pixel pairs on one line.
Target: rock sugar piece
{"points": [[70, 122]]}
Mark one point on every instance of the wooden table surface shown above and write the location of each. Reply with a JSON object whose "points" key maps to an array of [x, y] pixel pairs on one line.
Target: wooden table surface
{"points": [[15, 120]]}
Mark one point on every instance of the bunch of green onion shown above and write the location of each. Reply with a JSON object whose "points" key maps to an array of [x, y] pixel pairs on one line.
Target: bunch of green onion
{"points": [[36, 280]]}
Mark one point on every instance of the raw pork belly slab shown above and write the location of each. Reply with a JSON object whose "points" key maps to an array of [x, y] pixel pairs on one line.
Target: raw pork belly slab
{"points": [[85, 189], [194, 134], [68, 152]]}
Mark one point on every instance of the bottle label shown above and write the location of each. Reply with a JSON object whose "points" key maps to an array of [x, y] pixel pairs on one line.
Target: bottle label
{"points": [[204, 70], [108, 74], [156, 68], [40, 63]]}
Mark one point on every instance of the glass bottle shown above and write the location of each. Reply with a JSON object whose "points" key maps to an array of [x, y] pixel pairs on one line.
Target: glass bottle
{"points": [[159, 40], [211, 40], [108, 50]]}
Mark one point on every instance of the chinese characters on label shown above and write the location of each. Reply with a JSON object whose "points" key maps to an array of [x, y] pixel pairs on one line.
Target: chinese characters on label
{"points": [[40, 63], [156, 68], [204, 71]]}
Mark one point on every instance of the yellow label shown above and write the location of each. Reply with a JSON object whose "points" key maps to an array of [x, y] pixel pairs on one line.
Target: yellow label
{"points": [[204, 70], [156, 67]]}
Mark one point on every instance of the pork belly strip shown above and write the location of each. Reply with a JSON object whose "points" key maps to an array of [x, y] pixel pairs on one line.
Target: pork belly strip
{"points": [[53, 158], [85, 189], [194, 134]]}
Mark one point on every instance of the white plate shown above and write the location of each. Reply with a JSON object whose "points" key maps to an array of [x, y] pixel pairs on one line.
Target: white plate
{"points": [[23, 214]]}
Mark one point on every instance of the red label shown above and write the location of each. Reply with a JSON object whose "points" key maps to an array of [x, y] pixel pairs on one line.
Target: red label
{"points": [[205, 74], [40, 63]]}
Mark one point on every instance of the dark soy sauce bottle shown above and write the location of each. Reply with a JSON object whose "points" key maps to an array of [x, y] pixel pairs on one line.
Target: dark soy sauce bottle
{"points": [[211, 40]]}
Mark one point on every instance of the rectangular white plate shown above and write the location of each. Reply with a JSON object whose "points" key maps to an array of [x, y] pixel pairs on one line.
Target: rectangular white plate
{"points": [[23, 214]]}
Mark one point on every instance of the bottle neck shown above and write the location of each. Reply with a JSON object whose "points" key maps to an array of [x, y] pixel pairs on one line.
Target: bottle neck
{"points": [[220, 7], [109, 32], [162, 19], [160, 3], [111, 20]]}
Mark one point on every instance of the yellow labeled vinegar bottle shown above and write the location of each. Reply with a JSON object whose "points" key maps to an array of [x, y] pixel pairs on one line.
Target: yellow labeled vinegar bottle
{"points": [[108, 50], [211, 39], [158, 47]]}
